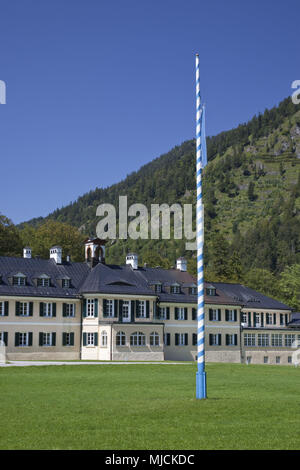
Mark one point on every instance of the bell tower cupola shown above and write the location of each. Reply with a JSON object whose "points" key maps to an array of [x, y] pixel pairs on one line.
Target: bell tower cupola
{"points": [[94, 250]]}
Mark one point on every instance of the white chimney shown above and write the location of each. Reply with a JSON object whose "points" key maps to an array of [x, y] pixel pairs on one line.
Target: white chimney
{"points": [[132, 259], [56, 254], [26, 252], [181, 264]]}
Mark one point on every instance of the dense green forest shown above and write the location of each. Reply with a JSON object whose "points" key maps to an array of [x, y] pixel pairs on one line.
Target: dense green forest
{"points": [[251, 189]]}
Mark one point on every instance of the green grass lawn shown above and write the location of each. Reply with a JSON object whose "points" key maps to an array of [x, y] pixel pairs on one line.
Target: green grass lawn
{"points": [[149, 407]]}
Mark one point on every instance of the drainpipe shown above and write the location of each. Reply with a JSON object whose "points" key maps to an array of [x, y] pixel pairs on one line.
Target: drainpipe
{"points": [[111, 341]]}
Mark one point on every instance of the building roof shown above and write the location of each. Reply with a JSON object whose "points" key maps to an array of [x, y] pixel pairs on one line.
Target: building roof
{"points": [[33, 268], [248, 297], [115, 279], [295, 319]]}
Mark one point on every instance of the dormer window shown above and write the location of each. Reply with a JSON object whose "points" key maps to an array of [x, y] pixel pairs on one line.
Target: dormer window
{"points": [[66, 283], [175, 289], [211, 291], [19, 280], [157, 288], [193, 290], [43, 281]]}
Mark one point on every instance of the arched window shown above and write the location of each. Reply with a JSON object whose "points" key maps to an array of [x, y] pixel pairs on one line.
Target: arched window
{"points": [[104, 339], [121, 338], [154, 339], [89, 254], [137, 339]]}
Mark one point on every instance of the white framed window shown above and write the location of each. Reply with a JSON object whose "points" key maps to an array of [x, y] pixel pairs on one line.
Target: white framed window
{"points": [[263, 339], [157, 288], [104, 339], [193, 290], [90, 339], [24, 309], [109, 308], [167, 339], [2, 309], [231, 340], [214, 314], [69, 310], [43, 282], [276, 339], [257, 319], [181, 339], [163, 313], [215, 339], [23, 339], [47, 339], [245, 318], [180, 313], [142, 309], [19, 280], [126, 311], [65, 283], [266, 359], [137, 339], [121, 338], [90, 307], [211, 291], [249, 339], [288, 340], [68, 339], [154, 339], [175, 289], [269, 319], [47, 309], [230, 315]]}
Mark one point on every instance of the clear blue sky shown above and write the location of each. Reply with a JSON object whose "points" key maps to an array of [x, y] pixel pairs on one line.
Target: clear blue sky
{"points": [[96, 88]]}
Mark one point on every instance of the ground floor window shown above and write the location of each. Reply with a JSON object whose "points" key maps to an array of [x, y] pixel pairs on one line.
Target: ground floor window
{"points": [[277, 359], [138, 339], [215, 339], [47, 339], [104, 339], [181, 339], [266, 359], [263, 339], [289, 359], [249, 339], [68, 339], [276, 339], [90, 339], [68, 310], [167, 339], [23, 339], [121, 338], [231, 340], [154, 339], [289, 339]]}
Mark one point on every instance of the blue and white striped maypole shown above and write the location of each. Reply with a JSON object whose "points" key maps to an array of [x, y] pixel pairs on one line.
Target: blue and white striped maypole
{"points": [[200, 375]]}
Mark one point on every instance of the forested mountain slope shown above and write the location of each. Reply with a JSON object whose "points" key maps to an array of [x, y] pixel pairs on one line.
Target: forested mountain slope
{"points": [[251, 191]]}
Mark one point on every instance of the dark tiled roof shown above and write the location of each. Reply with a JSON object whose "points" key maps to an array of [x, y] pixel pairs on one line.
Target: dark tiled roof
{"points": [[113, 279], [32, 268], [295, 320], [248, 297]]}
